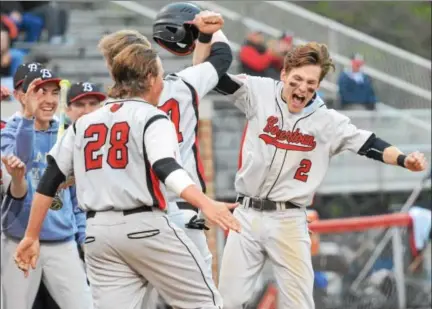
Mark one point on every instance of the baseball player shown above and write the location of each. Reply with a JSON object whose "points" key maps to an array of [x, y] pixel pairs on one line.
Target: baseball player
{"points": [[120, 154], [30, 136], [181, 95], [288, 143], [182, 92]]}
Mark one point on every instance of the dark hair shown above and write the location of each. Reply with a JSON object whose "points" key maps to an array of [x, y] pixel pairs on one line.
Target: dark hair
{"points": [[131, 70], [309, 54]]}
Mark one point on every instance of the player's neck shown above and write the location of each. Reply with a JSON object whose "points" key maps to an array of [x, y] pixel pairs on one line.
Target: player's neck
{"points": [[41, 125], [149, 99]]}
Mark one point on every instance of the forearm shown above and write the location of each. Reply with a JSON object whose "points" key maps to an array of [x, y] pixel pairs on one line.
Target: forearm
{"points": [[391, 154], [41, 204], [202, 50], [378, 149], [18, 188], [193, 195]]}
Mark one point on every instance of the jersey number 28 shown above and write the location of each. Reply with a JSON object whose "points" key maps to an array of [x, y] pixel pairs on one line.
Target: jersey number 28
{"points": [[117, 156]]}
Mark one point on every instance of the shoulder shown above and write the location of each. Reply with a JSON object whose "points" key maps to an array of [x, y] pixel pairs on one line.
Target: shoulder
{"points": [[335, 116]]}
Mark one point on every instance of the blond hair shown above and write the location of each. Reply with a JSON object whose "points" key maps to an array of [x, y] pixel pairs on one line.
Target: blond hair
{"points": [[112, 44], [131, 70], [309, 54]]}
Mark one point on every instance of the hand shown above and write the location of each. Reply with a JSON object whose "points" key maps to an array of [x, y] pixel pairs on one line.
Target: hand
{"points": [[208, 22], [32, 99], [15, 167], [27, 254], [4, 93], [219, 213], [67, 183], [415, 162], [16, 16]]}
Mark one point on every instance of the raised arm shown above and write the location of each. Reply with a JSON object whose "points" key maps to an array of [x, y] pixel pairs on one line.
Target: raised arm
{"points": [[212, 55], [18, 137]]}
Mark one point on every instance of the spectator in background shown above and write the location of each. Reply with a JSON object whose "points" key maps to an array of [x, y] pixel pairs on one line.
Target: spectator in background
{"points": [[355, 87], [257, 59], [32, 25], [30, 137], [34, 16], [10, 58], [281, 47], [18, 80]]}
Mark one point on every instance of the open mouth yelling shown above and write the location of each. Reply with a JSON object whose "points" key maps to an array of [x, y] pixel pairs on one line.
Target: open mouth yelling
{"points": [[298, 101]]}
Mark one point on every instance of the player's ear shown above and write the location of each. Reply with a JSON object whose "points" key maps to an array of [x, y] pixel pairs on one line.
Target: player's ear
{"points": [[283, 75]]}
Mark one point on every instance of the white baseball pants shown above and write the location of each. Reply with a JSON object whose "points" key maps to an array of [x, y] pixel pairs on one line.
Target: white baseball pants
{"points": [[124, 252], [283, 238]]}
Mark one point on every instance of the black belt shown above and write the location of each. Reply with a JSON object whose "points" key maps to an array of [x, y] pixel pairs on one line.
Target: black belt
{"points": [[265, 205], [91, 213], [186, 205]]}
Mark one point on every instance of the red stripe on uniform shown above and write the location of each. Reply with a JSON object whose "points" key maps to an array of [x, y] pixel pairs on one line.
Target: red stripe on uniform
{"points": [[157, 190], [240, 159], [200, 166]]}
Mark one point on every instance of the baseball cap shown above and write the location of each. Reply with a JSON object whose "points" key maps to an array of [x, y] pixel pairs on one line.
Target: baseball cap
{"points": [[84, 89], [45, 75], [23, 70]]}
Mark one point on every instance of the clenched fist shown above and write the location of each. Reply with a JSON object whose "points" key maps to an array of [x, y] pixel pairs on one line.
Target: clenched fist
{"points": [[415, 162], [208, 22]]}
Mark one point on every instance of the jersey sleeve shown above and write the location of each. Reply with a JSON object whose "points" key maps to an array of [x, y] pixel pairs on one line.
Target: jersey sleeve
{"points": [[347, 136], [238, 90], [160, 139], [62, 152], [203, 77]]}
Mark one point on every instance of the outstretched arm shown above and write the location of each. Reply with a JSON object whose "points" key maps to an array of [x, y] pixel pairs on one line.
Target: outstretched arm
{"points": [[378, 149]]}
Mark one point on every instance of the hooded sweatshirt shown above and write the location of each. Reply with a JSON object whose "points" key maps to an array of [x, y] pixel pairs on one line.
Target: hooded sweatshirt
{"points": [[64, 221]]}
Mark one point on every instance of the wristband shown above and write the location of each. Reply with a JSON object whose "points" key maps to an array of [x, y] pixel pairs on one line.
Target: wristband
{"points": [[205, 37], [401, 160]]}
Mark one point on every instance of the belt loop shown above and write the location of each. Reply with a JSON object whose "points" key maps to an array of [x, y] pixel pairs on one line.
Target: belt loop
{"points": [[246, 202]]}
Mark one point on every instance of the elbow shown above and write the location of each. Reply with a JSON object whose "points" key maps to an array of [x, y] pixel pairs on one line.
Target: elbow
{"points": [[51, 179], [172, 175], [220, 57]]}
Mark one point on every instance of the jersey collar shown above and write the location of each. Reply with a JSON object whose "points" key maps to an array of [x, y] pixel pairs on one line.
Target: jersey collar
{"points": [[134, 99]]}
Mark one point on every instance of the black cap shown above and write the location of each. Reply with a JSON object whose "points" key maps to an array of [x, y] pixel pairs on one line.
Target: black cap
{"points": [[45, 75], [80, 90], [23, 70]]}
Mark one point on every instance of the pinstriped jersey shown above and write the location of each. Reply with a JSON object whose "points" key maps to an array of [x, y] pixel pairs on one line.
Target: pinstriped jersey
{"points": [[111, 151], [179, 99], [285, 156]]}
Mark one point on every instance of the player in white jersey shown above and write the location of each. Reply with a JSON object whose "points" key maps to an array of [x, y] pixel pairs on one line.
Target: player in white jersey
{"points": [[120, 155], [180, 98], [288, 143]]}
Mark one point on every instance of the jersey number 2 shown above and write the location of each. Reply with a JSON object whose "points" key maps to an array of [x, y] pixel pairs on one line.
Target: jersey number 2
{"points": [[302, 172], [117, 153], [172, 109]]}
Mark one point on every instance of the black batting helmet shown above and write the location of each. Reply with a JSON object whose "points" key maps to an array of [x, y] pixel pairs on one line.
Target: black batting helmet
{"points": [[170, 30]]}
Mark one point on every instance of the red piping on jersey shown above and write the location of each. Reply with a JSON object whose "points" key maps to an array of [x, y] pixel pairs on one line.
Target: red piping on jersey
{"points": [[157, 190], [240, 159], [197, 146]]}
